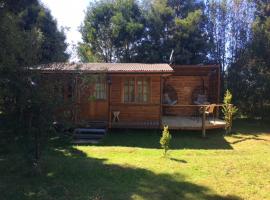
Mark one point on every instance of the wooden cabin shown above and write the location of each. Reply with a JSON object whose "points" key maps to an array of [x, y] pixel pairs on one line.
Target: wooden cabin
{"points": [[137, 95]]}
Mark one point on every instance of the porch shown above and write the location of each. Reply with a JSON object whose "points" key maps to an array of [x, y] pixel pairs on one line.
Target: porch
{"points": [[192, 117], [191, 123]]}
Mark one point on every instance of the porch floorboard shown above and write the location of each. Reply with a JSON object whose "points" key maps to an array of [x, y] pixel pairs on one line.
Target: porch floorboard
{"points": [[191, 123]]}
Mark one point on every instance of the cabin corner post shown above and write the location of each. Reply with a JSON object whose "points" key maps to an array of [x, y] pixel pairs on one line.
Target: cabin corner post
{"points": [[203, 121], [109, 104], [218, 90], [161, 100], [75, 104]]}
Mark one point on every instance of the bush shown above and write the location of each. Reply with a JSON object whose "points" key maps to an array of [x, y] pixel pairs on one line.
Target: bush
{"points": [[165, 139], [228, 110]]}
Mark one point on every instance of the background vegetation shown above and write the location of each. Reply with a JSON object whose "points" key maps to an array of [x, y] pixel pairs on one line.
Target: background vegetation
{"points": [[232, 33], [28, 36]]}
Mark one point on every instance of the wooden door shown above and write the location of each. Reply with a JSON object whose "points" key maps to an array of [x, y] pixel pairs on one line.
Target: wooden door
{"points": [[96, 108]]}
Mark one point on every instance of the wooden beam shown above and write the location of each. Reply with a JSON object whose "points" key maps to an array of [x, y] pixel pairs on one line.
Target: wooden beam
{"points": [[109, 105], [203, 121], [161, 102]]}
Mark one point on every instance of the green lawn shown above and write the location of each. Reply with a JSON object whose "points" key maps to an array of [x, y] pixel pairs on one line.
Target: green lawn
{"points": [[129, 165]]}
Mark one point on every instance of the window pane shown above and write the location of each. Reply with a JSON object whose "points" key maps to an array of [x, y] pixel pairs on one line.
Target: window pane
{"points": [[146, 90], [126, 93], [100, 88], [143, 90], [70, 90], [140, 90], [129, 90], [137, 93]]}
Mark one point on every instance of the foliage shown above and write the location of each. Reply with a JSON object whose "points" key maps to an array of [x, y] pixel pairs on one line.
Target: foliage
{"points": [[128, 31], [165, 140], [28, 36], [248, 77], [111, 31], [197, 31], [228, 110]]}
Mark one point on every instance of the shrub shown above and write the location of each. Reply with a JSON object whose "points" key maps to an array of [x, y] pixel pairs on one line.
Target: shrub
{"points": [[165, 139], [228, 110]]}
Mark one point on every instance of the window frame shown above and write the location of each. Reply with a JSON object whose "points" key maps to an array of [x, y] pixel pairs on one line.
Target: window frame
{"points": [[136, 92], [102, 82]]}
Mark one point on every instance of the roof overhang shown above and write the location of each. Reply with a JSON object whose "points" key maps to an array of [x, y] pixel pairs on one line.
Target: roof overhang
{"points": [[108, 68]]}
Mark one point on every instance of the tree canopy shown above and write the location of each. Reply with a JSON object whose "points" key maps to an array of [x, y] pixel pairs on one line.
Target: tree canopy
{"points": [[28, 36], [232, 33], [126, 31]]}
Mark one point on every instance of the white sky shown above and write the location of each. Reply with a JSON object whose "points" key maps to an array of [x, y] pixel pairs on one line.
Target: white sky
{"points": [[70, 14]]}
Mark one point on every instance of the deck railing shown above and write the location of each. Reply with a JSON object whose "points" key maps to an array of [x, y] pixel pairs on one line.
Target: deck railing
{"points": [[189, 109]]}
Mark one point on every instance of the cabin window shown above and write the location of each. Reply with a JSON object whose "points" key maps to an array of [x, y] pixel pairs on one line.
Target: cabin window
{"points": [[129, 90], [70, 90], [137, 90], [100, 89], [143, 87]]}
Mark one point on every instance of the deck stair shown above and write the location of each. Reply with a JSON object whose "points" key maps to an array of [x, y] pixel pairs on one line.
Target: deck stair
{"points": [[92, 132]]}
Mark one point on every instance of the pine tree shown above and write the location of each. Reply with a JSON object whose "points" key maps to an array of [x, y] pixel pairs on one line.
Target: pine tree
{"points": [[165, 140]]}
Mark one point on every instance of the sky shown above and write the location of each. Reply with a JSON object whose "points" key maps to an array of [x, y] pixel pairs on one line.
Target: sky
{"points": [[69, 14]]}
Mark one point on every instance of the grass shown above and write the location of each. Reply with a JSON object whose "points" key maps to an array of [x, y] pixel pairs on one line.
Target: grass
{"points": [[130, 165]]}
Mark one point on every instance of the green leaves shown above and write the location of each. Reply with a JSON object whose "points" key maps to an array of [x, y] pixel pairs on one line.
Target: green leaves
{"points": [[127, 31], [228, 110], [111, 30], [249, 75], [165, 140]]}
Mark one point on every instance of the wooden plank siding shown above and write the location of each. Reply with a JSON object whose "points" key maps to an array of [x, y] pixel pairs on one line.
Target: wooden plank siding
{"points": [[185, 80], [185, 85], [136, 112]]}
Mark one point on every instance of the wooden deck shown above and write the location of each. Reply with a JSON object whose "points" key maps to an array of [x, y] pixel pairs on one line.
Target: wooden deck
{"points": [[191, 123]]}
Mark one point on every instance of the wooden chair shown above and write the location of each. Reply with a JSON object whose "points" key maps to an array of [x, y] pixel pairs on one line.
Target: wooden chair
{"points": [[210, 111], [116, 116]]}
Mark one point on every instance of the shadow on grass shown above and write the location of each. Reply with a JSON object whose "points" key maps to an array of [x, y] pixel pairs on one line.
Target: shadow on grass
{"points": [[240, 139], [178, 160], [180, 139], [69, 174], [186, 139], [251, 126]]}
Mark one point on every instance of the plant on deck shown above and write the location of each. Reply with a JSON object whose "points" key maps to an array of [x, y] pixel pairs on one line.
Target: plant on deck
{"points": [[228, 110], [165, 139]]}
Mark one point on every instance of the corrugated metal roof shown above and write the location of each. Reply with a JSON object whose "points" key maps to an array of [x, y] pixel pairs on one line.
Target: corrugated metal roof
{"points": [[107, 67]]}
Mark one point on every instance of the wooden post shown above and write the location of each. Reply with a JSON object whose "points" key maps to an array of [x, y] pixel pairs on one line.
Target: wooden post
{"points": [[76, 100], [230, 118], [161, 102], [109, 104], [218, 90], [203, 121]]}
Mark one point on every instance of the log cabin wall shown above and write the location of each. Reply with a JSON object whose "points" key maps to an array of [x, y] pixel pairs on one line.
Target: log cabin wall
{"points": [[185, 81], [135, 112], [185, 86], [76, 101]]}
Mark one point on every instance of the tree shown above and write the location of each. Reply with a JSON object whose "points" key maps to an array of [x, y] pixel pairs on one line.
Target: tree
{"points": [[228, 110], [97, 33], [249, 74], [165, 140], [111, 31], [28, 36], [126, 31], [177, 25], [218, 26]]}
